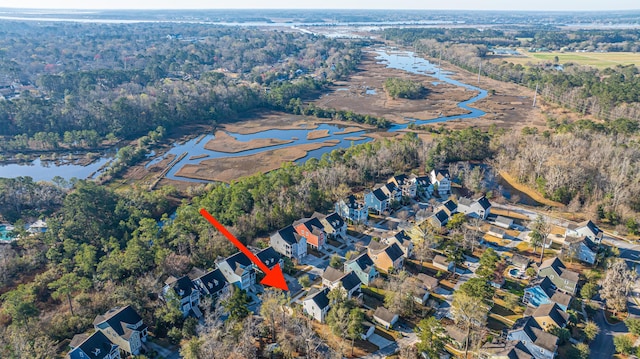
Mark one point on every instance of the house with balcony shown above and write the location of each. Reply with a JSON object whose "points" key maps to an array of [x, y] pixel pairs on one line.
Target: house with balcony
{"points": [[185, 292], [124, 328], [407, 185], [334, 226], [212, 284], [581, 248], [543, 291], [442, 180], [289, 243], [352, 209]]}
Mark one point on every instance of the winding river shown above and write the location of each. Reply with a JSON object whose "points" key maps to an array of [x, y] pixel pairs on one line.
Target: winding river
{"points": [[402, 60]]}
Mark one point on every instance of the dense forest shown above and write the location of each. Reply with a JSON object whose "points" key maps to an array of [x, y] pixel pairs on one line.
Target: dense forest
{"points": [[610, 94], [92, 83]]}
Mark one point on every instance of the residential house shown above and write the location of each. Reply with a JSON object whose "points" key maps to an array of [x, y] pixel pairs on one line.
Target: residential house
{"points": [[363, 267], [403, 241], [585, 229], [352, 209], [424, 186], [541, 344], [441, 262], [349, 282], [38, 226], [450, 207], [212, 283], [238, 270], [96, 346], [561, 277], [458, 336], [500, 349], [542, 291], [520, 262], [376, 200], [185, 292], [270, 257], [289, 243], [312, 230], [408, 186], [441, 178], [420, 293], [124, 328], [385, 317], [316, 304], [504, 222], [386, 257], [549, 315], [478, 208], [429, 282], [581, 248], [496, 232], [334, 226], [393, 192], [439, 219]]}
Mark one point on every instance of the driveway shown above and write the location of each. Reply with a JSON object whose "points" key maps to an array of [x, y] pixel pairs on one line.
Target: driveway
{"points": [[379, 341], [602, 346]]}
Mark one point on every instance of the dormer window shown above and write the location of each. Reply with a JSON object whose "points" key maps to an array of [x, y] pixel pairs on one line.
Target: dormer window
{"points": [[95, 352], [181, 292], [210, 285], [215, 282]]}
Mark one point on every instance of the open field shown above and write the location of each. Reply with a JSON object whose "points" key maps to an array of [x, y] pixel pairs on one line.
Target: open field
{"points": [[596, 59], [229, 169], [223, 142]]}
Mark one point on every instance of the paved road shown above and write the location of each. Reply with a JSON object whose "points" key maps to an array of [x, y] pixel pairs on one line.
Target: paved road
{"points": [[602, 346]]}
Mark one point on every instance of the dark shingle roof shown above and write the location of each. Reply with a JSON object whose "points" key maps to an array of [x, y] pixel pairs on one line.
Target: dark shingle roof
{"points": [[213, 281], [550, 290], [441, 216], [288, 234], [450, 205], [269, 256], [183, 287], [536, 334], [334, 220], [423, 181], [237, 262], [402, 236], [320, 298], [350, 281], [484, 202], [118, 318], [394, 252], [363, 261], [352, 202], [379, 195], [97, 346], [552, 310]]}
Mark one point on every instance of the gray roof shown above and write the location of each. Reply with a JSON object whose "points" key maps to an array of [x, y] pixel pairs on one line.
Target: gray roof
{"points": [[570, 240], [465, 201], [97, 346], [519, 259], [511, 349], [504, 220], [560, 268], [550, 290], [429, 281], [552, 310], [496, 230], [331, 274], [384, 314], [588, 224], [536, 334], [455, 333], [440, 259]]}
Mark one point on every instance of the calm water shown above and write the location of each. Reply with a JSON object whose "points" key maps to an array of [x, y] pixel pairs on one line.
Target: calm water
{"points": [[403, 60]]}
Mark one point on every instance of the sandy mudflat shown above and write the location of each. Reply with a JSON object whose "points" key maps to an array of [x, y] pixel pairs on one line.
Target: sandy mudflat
{"points": [[229, 169], [223, 142], [314, 135]]}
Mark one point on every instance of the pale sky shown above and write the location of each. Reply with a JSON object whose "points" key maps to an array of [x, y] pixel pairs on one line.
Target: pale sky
{"points": [[575, 5]]}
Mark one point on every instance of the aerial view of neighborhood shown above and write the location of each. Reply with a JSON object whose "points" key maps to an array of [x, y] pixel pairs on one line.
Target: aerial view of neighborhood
{"points": [[319, 184]]}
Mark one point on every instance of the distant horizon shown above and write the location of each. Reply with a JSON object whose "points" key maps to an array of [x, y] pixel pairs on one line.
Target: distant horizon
{"points": [[412, 5]]}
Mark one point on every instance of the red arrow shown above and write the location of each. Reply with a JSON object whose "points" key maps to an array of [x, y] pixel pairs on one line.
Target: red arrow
{"points": [[273, 277]]}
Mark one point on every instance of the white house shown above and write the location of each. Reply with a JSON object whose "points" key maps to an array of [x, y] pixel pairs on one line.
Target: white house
{"points": [[385, 317], [581, 248], [503, 222], [478, 208], [124, 327], [289, 243], [585, 229], [186, 293], [316, 304], [441, 179]]}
